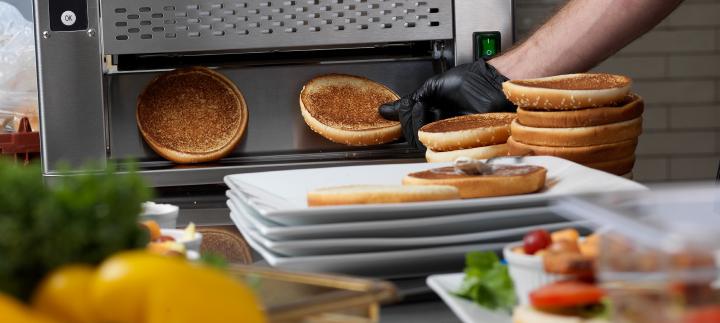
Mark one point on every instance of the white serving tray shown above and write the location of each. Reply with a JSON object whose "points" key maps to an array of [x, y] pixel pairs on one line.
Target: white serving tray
{"points": [[387, 264], [445, 285], [280, 196], [420, 227], [316, 247]]}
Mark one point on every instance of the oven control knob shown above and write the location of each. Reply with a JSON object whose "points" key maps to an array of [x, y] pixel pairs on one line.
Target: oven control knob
{"points": [[68, 18]]}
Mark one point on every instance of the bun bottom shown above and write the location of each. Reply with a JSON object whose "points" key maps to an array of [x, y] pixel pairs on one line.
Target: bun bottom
{"points": [[474, 153], [618, 167], [488, 186], [577, 137], [379, 194], [587, 154], [632, 108]]}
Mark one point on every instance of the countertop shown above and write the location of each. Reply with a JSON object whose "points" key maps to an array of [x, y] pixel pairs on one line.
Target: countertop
{"points": [[433, 311]]}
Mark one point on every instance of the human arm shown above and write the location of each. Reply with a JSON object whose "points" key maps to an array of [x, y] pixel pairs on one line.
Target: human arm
{"points": [[581, 35]]}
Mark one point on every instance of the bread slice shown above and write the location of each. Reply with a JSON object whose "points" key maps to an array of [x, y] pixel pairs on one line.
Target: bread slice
{"points": [[577, 137], [191, 115], [468, 131], [629, 109], [527, 314], [344, 109], [473, 153], [568, 92], [586, 154], [618, 167], [370, 194], [504, 180]]}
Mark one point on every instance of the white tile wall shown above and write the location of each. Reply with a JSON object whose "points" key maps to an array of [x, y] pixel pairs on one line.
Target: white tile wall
{"points": [[651, 169], [695, 117], [693, 168], [676, 68]]}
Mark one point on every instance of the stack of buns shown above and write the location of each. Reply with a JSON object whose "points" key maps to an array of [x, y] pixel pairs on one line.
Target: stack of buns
{"points": [[476, 136], [591, 119]]}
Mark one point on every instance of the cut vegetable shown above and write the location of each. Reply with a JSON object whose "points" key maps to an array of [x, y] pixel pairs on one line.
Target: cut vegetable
{"points": [[566, 294]]}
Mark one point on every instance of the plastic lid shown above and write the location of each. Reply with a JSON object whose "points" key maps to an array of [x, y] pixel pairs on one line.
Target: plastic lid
{"points": [[670, 218]]}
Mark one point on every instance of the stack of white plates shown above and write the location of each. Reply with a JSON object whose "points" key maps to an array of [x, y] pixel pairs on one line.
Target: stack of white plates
{"points": [[393, 240]]}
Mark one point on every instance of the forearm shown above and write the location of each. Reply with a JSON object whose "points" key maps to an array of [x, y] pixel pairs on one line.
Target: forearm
{"points": [[581, 35]]}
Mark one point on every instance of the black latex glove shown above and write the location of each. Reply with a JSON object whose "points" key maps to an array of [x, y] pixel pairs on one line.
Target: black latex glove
{"points": [[465, 89]]}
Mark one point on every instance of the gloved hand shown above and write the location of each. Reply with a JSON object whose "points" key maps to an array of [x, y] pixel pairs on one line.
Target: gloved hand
{"points": [[465, 89]]}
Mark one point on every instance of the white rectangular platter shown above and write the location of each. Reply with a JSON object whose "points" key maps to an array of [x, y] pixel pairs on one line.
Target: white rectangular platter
{"points": [[387, 264], [403, 228], [315, 247], [280, 196], [468, 312]]}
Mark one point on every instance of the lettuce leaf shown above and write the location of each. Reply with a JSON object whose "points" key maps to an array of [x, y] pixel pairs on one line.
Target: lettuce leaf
{"points": [[487, 282]]}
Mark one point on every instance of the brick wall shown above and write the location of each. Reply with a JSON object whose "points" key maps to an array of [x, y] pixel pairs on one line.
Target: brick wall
{"points": [[676, 68]]}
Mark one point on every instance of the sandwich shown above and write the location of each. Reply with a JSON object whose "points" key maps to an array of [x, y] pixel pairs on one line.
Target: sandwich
{"points": [[344, 109], [576, 299], [192, 115], [476, 179], [475, 136]]}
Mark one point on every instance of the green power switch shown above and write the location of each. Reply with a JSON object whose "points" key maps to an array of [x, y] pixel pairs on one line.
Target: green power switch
{"points": [[487, 44]]}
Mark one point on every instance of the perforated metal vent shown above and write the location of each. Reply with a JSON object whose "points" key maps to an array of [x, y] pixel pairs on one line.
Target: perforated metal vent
{"points": [[142, 26]]}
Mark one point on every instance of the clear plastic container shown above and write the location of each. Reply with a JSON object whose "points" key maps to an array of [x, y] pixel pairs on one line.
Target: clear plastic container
{"points": [[659, 251]]}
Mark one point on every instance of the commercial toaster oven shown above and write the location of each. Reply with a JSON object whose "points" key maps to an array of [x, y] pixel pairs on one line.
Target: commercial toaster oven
{"points": [[96, 56]]}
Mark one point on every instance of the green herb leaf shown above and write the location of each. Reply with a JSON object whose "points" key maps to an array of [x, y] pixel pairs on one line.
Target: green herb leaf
{"points": [[82, 217], [487, 282]]}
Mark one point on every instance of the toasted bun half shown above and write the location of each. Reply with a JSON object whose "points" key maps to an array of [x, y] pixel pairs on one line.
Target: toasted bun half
{"points": [[629, 109], [510, 181], [577, 137], [568, 92], [371, 194], [619, 167], [468, 131], [586, 154], [527, 314], [344, 109], [191, 115], [474, 153]]}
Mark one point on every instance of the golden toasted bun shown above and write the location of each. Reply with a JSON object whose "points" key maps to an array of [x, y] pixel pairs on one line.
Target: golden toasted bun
{"points": [[527, 314], [344, 109], [191, 115], [568, 92], [371, 194], [474, 153], [619, 167], [586, 154], [629, 109], [577, 137], [507, 182], [468, 131]]}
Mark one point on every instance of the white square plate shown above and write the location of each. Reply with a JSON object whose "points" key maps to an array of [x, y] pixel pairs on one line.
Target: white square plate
{"points": [[445, 285], [404, 228], [280, 196]]}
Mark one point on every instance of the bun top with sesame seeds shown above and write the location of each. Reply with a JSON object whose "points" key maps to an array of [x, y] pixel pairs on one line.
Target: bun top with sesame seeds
{"points": [[568, 92]]}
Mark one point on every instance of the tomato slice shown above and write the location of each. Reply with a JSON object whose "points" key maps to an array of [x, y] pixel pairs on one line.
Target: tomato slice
{"points": [[709, 314], [566, 294]]}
